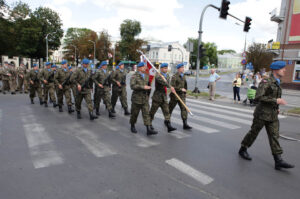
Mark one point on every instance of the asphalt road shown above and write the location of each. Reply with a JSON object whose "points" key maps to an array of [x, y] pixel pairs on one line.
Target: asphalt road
{"points": [[45, 154]]}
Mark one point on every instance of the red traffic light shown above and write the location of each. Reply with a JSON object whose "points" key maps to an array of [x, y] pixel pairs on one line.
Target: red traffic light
{"points": [[224, 9], [247, 24]]}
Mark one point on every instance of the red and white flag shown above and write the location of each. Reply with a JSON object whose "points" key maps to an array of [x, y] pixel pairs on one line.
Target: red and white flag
{"points": [[110, 55], [150, 70]]}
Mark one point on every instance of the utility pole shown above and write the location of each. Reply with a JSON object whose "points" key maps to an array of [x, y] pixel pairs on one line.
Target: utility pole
{"points": [[94, 51]]}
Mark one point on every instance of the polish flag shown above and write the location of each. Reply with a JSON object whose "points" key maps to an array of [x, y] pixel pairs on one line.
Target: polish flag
{"points": [[150, 70]]}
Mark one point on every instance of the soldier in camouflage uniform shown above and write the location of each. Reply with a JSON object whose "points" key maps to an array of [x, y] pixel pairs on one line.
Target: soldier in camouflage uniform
{"points": [[62, 81], [47, 77], [83, 79], [21, 78], [139, 83], [12, 78], [268, 97], [72, 85], [178, 81], [5, 78], [159, 98], [102, 89], [119, 88], [35, 84]]}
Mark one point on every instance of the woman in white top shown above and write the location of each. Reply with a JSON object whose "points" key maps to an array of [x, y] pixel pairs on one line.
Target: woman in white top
{"points": [[236, 87]]}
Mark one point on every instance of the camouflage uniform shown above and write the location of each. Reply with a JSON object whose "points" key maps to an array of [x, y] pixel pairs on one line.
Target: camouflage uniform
{"points": [[49, 88], [62, 77], [5, 79], [21, 79], [36, 86], [139, 98], [266, 114], [117, 91], [12, 79]]}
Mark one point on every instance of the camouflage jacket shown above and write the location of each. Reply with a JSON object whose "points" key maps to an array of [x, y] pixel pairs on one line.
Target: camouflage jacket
{"points": [[119, 76], [84, 79], [178, 83], [13, 73], [47, 75], [4, 73], [62, 77], [101, 78], [34, 76], [160, 94], [137, 83], [268, 92], [21, 71]]}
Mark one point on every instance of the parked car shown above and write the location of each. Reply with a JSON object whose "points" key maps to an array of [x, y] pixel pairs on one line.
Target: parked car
{"points": [[188, 73]]}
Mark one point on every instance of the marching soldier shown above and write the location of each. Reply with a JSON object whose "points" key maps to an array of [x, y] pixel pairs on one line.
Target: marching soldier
{"points": [[139, 83], [82, 78], [62, 81], [159, 98], [5, 78], [119, 88], [178, 81], [72, 85], [102, 89], [21, 78], [35, 85], [47, 77], [12, 73], [268, 96]]}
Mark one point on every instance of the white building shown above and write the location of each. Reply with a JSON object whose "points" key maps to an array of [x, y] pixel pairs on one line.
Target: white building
{"points": [[58, 55], [159, 53], [229, 60]]}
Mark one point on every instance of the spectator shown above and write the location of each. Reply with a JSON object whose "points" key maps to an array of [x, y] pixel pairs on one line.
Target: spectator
{"points": [[236, 87], [213, 78], [257, 79]]}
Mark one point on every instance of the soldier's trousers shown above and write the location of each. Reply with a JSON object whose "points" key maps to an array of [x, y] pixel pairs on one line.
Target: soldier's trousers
{"points": [[88, 100], [135, 110], [34, 89], [121, 93], [164, 107], [74, 90], [272, 129], [174, 101], [5, 85], [64, 92], [26, 85], [49, 89], [13, 85], [102, 94], [20, 84]]}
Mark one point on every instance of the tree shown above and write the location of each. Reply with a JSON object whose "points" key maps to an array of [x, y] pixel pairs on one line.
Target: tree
{"points": [[230, 51], [259, 57], [103, 46]]}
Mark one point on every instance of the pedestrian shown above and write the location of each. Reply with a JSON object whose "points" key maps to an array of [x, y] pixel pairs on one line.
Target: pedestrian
{"points": [[21, 78], [213, 78], [83, 80], [268, 96], [160, 98], [118, 78], [257, 79], [178, 81], [236, 87], [140, 85], [47, 77], [35, 84]]}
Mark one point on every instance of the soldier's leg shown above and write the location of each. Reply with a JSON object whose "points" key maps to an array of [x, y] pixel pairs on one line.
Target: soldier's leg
{"points": [[20, 84], [31, 92], [60, 97], [52, 93], [46, 91], [106, 99], [40, 92], [250, 137], [67, 93], [145, 113], [96, 99], [88, 101], [183, 109], [78, 101], [114, 97], [165, 109], [11, 85], [154, 107], [172, 104], [123, 98], [273, 135], [26, 86], [135, 110]]}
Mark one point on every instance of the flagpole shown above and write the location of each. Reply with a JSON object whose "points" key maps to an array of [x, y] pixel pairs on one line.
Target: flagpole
{"points": [[180, 100]]}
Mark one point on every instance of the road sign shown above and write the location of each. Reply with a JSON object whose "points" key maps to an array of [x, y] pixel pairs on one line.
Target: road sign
{"points": [[244, 54], [244, 61]]}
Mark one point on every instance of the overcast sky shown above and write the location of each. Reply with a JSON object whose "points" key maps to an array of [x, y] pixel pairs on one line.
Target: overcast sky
{"points": [[170, 20]]}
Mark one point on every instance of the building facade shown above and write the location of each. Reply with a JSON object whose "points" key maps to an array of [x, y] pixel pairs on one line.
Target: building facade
{"points": [[229, 61]]}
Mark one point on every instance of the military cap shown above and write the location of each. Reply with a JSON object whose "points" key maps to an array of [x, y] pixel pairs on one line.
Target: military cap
{"points": [[163, 65], [278, 65], [70, 67], [34, 65], [121, 63], [141, 64], [48, 63], [53, 66], [85, 61], [179, 65], [103, 63], [64, 62]]}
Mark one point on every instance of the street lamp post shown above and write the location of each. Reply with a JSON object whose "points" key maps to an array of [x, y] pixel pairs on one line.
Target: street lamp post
{"points": [[94, 50], [75, 58], [47, 44]]}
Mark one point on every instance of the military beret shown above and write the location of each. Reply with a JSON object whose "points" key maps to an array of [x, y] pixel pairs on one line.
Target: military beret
{"points": [[179, 65], [53, 66], [70, 67], [141, 64], [163, 65], [121, 63], [64, 62], [278, 65], [48, 63], [34, 65], [85, 61], [117, 67], [103, 63]]}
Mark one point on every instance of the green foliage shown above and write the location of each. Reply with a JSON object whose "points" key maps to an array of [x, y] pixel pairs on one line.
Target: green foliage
{"points": [[258, 55], [230, 51]]}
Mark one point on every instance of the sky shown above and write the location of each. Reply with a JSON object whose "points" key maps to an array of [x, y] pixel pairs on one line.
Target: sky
{"points": [[170, 20]]}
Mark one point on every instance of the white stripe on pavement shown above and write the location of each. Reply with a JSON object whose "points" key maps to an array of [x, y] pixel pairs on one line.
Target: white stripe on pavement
{"points": [[42, 149], [178, 134], [211, 121], [190, 171]]}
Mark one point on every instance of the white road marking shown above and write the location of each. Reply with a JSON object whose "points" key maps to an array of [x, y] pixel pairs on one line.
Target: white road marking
{"points": [[145, 142], [211, 121], [179, 135], [190, 171]]}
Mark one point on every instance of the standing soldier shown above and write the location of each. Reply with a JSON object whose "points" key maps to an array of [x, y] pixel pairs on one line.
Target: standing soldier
{"points": [[12, 78], [159, 98], [119, 88], [21, 78], [102, 89], [35, 84], [268, 96], [178, 81], [47, 77], [139, 83], [62, 81], [5, 78], [72, 85], [82, 79]]}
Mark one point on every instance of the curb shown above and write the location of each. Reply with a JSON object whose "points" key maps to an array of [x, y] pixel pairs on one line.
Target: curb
{"points": [[290, 114]]}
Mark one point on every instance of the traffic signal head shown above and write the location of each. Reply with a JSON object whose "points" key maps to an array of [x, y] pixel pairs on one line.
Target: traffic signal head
{"points": [[169, 48], [148, 47], [224, 9], [202, 51], [247, 24]]}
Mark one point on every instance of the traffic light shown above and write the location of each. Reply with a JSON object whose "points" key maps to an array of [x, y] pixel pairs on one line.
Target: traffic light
{"points": [[247, 24], [169, 48], [148, 47], [202, 51], [224, 9]]}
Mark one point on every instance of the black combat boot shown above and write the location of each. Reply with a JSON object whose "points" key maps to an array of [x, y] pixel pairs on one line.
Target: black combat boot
{"points": [[78, 115], [70, 110], [97, 111], [45, 104], [13, 93], [41, 101], [185, 125], [60, 108], [150, 131], [54, 105], [111, 114], [244, 154], [280, 163], [132, 128], [31, 100], [92, 116], [4, 92], [126, 112], [169, 126], [151, 127], [113, 110]]}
